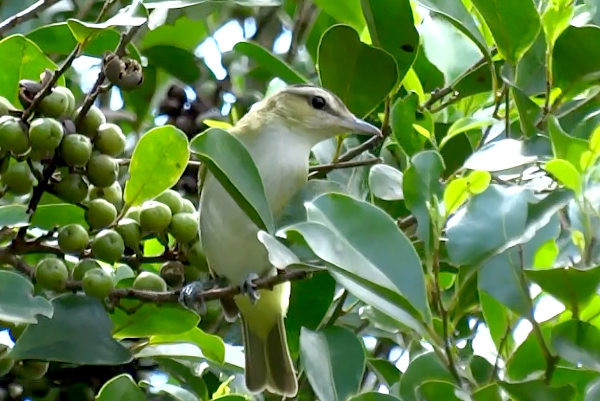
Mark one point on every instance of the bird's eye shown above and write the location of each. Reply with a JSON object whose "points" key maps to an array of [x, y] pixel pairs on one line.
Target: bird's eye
{"points": [[318, 102]]}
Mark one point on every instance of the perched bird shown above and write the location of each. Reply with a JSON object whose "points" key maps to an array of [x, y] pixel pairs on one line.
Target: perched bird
{"points": [[279, 133]]}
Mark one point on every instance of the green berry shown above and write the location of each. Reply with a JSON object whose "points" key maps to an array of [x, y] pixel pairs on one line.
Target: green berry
{"points": [[113, 193], [70, 99], [172, 199], [13, 137], [18, 178], [108, 246], [82, 267], [110, 139], [93, 119], [45, 133], [72, 187], [51, 273], [55, 104], [102, 171], [131, 232], [97, 283], [100, 213], [184, 227], [76, 150], [149, 281], [73, 238], [187, 206], [155, 217]]}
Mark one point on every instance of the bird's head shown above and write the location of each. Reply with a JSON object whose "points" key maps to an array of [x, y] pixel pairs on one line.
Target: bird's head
{"points": [[309, 111]]}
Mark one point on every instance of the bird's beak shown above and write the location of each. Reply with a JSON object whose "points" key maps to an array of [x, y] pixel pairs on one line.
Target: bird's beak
{"points": [[358, 126]]}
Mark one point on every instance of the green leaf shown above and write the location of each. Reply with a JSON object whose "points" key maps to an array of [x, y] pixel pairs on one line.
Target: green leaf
{"points": [[421, 183], [180, 63], [565, 173], [270, 62], [334, 362], [456, 194], [514, 25], [361, 75], [58, 39], [576, 56], [392, 28], [423, 368], [14, 216], [158, 161], [546, 255], [153, 320], [182, 373], [479, 181], [565, 146], [499, 156], [121, 388], [176, 392], [345, 11], [440, 390], [491, 392], [491, 220], [385, 370], [212, 346], [78, 321], [538, 390], [402, 119], [22, 59], [577, 342], [184, 33], [465, 124], [456, 12], [318, 292], [386, 182], [573, 287], [593, 391], [50, 215], [174, 4], [17, 302], [375, 263], [373, 396], [133, 15], [496, 317], [555, 20], [230, 162]]}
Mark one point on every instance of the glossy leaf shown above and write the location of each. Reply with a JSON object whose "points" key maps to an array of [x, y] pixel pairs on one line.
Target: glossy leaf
{"points": [[361, 75], [463, 125], [423, 368], [153, 320], [181, 63], [456, 194], [373, 396], [565, 173], [565, 146], [576, 56], [157, 163], [514, 25], [212, 346], [578, 342], [334, 362], [175, 4], [270, 62], [22, 59], [537, 390], [386, 182], [501, 155], [402, 119], [132, 15], [17, 302], [231, 163], [345, 11], [371, 263], [13, 216], [121, 388], [77, 322], [392, 28]]}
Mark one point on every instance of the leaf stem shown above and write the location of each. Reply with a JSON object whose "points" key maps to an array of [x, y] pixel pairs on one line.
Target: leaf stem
{"points": [[25, 15]]}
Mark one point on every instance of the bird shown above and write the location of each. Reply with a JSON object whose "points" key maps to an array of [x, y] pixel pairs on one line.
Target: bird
{"points": [[279, 132]]}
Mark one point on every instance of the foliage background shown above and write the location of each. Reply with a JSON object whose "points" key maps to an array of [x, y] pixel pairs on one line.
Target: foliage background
{"points": [[469, 235]]}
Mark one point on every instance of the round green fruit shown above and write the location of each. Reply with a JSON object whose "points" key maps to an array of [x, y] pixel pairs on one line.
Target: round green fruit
{"points": [[97, 283], [133, 213], [131, 232], [172, 199], [110, 139], [45, 133], [18, 178], [70, 99], [93, 119], [113, 193], [187, 206], [31, 369], [76, 150], [155, 217], [73, 238], [72, 187], [13, 137], [108, 246], [149, 281], [82, 267], [41, 154], [52, 274], [100, 213], [54, 104], [102, 171], [184, 227]]}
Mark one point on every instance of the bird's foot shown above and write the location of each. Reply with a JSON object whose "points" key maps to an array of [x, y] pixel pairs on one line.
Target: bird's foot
{"points": [[249, 288], [192, 298]]}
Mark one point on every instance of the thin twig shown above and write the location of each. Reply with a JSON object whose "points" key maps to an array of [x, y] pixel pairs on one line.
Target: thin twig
{"points": [[25, 15]]}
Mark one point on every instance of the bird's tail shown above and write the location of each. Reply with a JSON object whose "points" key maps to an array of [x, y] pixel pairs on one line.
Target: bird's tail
{"points": [[268, 361]]}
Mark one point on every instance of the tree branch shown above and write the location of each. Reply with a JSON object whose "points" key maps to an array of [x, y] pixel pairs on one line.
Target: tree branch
{"points": [[25, 15]]}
